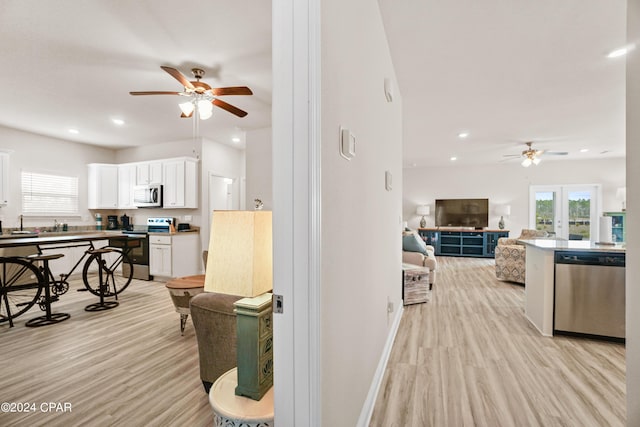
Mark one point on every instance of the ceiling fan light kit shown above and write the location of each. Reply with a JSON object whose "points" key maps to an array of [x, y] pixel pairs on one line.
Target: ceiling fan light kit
{"points": [[202, 97], [532, 156]]}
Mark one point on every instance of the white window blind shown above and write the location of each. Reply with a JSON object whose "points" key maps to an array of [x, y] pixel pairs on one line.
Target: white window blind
{"points": [[44, 194]]}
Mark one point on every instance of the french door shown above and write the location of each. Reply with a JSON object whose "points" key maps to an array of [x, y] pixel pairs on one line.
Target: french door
{"points": [[568, 211]]}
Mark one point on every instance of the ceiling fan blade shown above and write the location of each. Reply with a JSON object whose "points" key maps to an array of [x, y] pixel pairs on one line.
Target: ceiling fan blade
{"points": [[184, 116], [512, 155], [155, 93], [235, 90], [556, 153], [230, 108], [178, 76]]}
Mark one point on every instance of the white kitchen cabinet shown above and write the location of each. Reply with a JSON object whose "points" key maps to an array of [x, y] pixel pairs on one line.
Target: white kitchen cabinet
{"points": [[175, 255], [160, 255], [103, 186], [180, 185], [127, 174], [149, 173], [4, 178]]}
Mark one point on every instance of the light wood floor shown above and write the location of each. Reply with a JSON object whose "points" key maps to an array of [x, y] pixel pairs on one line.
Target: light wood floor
{"points": [[127, 366], [470, 358]]}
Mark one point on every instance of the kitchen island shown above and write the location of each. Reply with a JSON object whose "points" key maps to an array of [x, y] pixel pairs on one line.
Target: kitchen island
{"points": [[540, 279]]}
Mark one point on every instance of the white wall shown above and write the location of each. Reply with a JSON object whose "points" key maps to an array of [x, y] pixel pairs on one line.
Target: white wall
{"points": [[221, 160], [506, 184], [361, 254], [633, 216], [259, 168], [32, 152], [166, 150]]}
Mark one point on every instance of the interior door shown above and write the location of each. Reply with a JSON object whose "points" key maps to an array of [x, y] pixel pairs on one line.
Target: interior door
{"points": [[221, 197]]}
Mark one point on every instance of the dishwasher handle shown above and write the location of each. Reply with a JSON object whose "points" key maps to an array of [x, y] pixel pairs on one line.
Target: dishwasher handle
{"points": [[590, 258]]}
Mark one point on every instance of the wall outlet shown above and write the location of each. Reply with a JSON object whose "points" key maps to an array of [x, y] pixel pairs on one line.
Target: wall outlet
{"points": [[389, 306]]}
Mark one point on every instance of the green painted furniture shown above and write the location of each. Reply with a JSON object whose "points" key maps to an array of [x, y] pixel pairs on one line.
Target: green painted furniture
{"points": [[255, 346]]}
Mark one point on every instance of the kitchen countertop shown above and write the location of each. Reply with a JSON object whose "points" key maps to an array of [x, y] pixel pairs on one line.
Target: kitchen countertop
{"points": [[573, 245], [56, 237]]}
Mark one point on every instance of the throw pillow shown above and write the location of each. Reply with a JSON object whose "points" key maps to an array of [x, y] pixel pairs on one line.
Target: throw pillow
{"points": [[414, 243]]}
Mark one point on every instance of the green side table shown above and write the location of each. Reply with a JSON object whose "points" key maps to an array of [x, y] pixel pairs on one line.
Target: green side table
{"points": [[255, 346]]}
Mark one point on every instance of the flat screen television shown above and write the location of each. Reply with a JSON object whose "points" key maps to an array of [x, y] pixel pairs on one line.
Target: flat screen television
{"points": [[462, 213]]}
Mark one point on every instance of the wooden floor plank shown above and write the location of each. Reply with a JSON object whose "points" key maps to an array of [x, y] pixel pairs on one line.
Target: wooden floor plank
{"points": [[480, 362], [128, 366]]}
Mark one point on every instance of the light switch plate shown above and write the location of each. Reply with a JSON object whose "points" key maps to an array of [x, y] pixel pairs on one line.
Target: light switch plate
{"points": [[388, 181], [347, 144]]}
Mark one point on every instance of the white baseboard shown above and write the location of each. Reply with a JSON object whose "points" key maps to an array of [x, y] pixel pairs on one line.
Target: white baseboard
{"points": [[370, 401]]}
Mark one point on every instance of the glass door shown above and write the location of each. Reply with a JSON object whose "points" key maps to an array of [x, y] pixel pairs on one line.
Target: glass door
{"points": [[581, 217], [545, 212], [566, 211]]}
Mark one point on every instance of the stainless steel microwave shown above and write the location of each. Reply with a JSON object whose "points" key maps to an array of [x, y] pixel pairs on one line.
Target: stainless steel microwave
{"points": [[147, 196]]}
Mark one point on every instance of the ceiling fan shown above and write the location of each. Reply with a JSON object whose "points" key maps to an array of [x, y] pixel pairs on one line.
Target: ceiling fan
{"points": [[531, 155], [201, 96]]}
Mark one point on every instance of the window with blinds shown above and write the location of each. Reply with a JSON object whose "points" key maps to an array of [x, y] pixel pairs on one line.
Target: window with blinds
{"points": [[44, 194]]}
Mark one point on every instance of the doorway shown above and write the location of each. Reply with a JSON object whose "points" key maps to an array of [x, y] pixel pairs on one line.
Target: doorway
{"points": [[566, 211]]}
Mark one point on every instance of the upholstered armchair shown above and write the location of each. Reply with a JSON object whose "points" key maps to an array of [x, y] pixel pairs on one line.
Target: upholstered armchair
{"points": [[511, 256], [416, 252]]}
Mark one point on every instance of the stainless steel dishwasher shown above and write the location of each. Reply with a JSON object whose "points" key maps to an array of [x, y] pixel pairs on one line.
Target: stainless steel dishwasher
{"points": [[590, 294]]}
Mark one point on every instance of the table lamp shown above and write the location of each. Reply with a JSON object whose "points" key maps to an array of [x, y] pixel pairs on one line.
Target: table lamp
{"points": [[423, 210], [503, 210], [240, 262]]}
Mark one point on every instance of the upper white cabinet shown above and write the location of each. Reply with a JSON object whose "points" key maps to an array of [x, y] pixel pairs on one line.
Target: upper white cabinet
{"points": [[4, 178], [149, 173], [103, 186], [127, 175], [180, 186]]}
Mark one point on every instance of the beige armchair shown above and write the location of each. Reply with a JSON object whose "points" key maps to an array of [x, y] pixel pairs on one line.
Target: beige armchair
{"points": [[422, 260], [511, 256]]}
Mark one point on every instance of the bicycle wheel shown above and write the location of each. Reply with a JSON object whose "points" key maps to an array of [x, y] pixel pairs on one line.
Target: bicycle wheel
{"points": [[117, 272], [19, 287]]}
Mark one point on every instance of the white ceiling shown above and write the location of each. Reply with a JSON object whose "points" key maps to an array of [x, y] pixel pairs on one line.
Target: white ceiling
{"points": [[71, 64], [506, 71]]}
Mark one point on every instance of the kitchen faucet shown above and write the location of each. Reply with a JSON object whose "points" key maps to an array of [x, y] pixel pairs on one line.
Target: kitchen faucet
{"points": [[56, 226], [20, 222]]}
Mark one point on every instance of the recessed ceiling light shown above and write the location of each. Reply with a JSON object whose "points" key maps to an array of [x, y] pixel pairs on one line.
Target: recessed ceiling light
{"points": [[463, 135], [118, 122], [74, 131], [621, 51], [584, 150], [453, 158], [235, 139]]}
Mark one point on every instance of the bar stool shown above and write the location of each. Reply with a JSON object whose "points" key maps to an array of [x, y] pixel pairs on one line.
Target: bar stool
{"points": [[49, 318], [102, 305]]}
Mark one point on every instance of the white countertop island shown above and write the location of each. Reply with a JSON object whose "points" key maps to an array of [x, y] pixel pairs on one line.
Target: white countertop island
{"points": [[540, 276]]}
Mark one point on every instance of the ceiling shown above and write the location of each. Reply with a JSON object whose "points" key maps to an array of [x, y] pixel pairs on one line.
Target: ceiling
{"points": [[507, 72], [71, 64]]}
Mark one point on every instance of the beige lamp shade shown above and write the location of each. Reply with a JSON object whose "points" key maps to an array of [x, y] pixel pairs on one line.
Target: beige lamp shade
{"points": [[240, 260], [423, 210]]}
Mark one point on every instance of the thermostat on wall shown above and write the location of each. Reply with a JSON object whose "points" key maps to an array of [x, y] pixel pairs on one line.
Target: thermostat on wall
{"points": [[347, 144]]}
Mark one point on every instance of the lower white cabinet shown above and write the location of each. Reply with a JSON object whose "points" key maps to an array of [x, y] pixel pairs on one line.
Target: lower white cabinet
{"points": [[174, 255]]}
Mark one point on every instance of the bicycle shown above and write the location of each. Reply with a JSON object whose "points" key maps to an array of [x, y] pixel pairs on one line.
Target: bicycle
{"points": [[21, 280], [19, 287]]}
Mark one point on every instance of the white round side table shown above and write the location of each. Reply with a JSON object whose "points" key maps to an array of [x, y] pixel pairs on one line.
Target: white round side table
{"points": [[230, 410]]}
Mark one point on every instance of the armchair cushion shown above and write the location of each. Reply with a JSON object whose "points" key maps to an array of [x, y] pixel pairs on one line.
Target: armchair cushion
{"points": [[414, 243]]}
